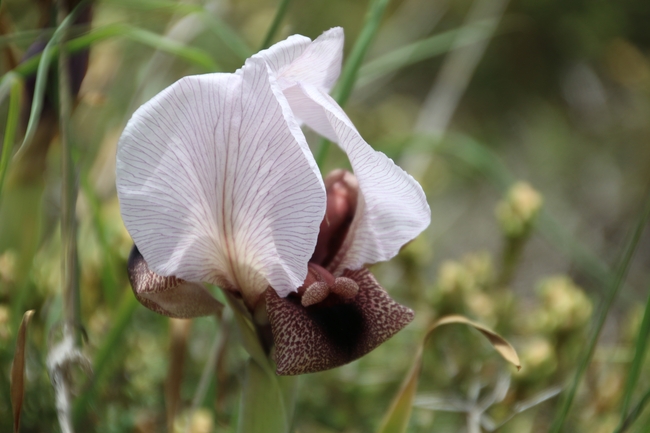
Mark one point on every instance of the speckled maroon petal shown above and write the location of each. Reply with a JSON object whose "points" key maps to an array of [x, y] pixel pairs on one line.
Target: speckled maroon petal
{"points": [[169, 296], [335, 331]]}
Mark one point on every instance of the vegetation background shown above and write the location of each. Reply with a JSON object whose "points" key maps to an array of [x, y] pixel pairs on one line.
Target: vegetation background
{"points": [[527, 123]]}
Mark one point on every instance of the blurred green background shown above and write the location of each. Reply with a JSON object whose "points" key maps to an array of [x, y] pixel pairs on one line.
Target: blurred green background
{"points": [[526, 122]]}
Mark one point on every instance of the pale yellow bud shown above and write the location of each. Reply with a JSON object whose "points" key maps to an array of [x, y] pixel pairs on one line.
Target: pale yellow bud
{"points": [[517, 211], [5, 315], [7, 266], [538, 357], [566, 305], [454, 278]]}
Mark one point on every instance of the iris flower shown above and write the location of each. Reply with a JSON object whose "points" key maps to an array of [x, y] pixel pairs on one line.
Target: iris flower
{"points": [[217, 185]]}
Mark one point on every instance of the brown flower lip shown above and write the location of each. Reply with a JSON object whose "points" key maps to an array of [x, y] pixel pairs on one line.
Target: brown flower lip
{"points": [[336, 316]]}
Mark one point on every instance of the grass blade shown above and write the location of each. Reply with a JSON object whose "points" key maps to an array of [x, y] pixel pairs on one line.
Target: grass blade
{"points": [[420, 50], [18, 370], [155, 5], [13, 116], [228, 36], [634, 414], [399, 413], [459, 66], [621, 272], [397, 417], [279, 15], [353, 63], [193, 55], [41, 82], [640, 348], [108, 271]]}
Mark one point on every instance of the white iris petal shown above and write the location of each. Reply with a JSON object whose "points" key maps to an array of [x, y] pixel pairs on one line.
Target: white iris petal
{"points": [[216, 183], [392, 208]]}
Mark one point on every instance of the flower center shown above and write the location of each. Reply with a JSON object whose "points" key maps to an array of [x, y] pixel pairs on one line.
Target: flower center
{"points": [[320, 284], [342, 192]]}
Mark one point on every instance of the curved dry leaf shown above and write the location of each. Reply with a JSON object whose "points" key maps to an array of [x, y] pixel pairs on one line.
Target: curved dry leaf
{"points": [[398, 414], [500, 344], [18, 370]]}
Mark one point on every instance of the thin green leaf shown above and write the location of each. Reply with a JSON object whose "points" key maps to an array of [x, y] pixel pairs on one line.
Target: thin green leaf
{"points": [[640, 348], [634, 414], [600, 318], [18, 370], [279, 16], [193, 55], [41, 82], [351, 68], [15, 93], [399, 413], [227, 35], [397, 417], [155, 5], [419, 51], [262, 408], [249, 337], [26, 36], [108, 271], [499, 343]]}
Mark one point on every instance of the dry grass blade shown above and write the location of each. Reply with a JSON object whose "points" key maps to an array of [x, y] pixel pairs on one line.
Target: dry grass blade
{"points": [[18, 370], [500, 344], [398, 414]]}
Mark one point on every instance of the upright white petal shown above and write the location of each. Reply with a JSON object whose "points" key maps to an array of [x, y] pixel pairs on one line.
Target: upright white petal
{"points": [[297, 59], [280, 55], [392, 208], [216, 183]]}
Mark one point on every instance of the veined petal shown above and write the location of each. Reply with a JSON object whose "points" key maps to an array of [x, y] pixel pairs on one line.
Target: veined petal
{"points": [[391, 208], [217, 184], [281, 54], [298, 59], [169, 296], [334, 332]]}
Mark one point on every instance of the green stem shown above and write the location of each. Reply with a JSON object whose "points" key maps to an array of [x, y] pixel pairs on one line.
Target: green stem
{"points": [[69, 263], [512, 252], [279, 16], [634, 414], [637, 362], [42, 62], [622, 269], [351, 68], [11, 126]]}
